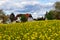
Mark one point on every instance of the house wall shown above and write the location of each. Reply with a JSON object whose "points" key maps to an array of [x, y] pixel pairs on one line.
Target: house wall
{"points": [[30, 19], [18, 19], [1, 20]]}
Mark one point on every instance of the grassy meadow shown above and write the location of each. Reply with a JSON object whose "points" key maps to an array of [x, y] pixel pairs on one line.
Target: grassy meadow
{"points": [[36, 30]]}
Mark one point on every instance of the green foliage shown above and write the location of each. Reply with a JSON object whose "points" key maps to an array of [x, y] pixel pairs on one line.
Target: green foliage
{"points": [[23, 18], [49, 15], [38, 30], [1, 12], [12, 17], [57, 15], [3, 16], [57, 5], [54, 14]]}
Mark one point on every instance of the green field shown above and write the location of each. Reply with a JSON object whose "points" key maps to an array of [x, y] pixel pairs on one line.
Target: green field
{"points": [[36, 30]]}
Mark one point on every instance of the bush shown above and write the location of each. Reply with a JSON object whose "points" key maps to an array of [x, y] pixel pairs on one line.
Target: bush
{"points": [[50, 15], [23, 18]]}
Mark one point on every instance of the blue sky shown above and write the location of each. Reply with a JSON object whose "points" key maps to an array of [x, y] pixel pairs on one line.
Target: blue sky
{"points": [[35, 7]]}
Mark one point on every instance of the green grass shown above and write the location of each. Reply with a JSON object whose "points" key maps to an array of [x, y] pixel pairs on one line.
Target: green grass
{"points": [[36, 30]]}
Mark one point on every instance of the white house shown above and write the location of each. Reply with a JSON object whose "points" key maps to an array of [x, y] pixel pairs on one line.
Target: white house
{"points": [[18, 19], [1, 20], [30, 19], [8, 21]]}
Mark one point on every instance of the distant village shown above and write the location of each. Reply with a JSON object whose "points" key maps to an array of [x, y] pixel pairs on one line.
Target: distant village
{"points": [[6, 19]]}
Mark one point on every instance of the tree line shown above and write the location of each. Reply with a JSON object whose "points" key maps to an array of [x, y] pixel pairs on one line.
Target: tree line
{"points": [[54, 14]]}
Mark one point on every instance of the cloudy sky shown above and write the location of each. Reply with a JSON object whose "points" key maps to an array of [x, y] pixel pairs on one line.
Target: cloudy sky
{"points": [[35, 7]]}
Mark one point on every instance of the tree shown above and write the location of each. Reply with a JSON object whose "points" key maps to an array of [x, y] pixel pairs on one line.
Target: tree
{"points": [[1, 13], [54, 14], [57, 6], [23, 18], [12, 17], [57, 10], [3, 16], [57, 15], [50, 15]]}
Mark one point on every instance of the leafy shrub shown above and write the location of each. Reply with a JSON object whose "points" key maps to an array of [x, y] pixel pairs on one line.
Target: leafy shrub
{"points": [[23, 18]]}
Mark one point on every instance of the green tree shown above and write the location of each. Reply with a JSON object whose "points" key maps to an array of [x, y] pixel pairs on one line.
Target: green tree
{"points": [[57, 10], [2, 13], [57, 6], [23, 18], [54, 14], [3, 16], [12, 17], [57, 16], [49, 15]]}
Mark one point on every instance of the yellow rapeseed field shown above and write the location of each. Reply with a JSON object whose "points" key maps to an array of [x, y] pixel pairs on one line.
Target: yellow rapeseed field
{"points": [[36, 30]]}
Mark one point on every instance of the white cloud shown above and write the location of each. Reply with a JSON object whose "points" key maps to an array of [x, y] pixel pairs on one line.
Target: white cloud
{"points": [[2, 2]]}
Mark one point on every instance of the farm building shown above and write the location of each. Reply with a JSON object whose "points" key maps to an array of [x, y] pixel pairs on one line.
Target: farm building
{"points": [[28, 16]]}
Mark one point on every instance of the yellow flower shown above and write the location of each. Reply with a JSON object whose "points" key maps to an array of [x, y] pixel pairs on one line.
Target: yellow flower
{"points": [[9, 38], [40, 36], [28, 39], [56, 34], [0, 37], [49, 38], [25, 36], [33, 37], [27, 33], [50, 30], [52, 39], [46, 35]]}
